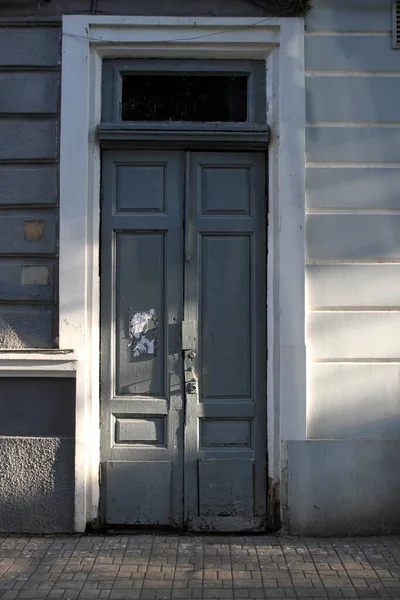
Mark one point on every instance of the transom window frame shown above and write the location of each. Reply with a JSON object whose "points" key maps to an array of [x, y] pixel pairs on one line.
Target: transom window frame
{"points": [[115, 69]]}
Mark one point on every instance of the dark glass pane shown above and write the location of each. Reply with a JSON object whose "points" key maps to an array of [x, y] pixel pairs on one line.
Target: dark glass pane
{"points": [[175, 97]]}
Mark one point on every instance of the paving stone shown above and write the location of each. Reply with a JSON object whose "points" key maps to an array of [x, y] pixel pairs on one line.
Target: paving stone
{"points": [[155, 567]]}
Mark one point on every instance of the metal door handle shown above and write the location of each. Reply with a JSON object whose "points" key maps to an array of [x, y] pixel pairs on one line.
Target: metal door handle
{"points": [[191, 387], [190, 381]]}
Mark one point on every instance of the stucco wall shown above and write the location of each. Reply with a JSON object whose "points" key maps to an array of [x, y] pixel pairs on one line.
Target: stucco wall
{"points": [[37, 427]]}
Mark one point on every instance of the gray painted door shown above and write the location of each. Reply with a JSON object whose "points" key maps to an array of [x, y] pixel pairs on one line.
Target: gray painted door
{"points": [[183, 340]]}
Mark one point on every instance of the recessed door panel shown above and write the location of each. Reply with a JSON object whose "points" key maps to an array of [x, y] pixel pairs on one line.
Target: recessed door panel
{"points": [[140, 310], [138, 493], [226, 317]]}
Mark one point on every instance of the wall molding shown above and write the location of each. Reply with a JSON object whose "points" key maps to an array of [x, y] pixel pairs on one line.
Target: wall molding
{"points": [[38, 363]]}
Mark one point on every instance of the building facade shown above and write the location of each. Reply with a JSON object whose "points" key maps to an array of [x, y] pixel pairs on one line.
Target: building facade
{"points": [[199, 267]]}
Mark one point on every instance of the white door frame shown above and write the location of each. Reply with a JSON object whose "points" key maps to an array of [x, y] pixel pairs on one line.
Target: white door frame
{"points": [[86, 41]]}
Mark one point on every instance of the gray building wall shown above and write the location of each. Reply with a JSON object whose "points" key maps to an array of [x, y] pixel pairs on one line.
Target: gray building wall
{"points": [[345, 478], [29, 106], [36, 414]]}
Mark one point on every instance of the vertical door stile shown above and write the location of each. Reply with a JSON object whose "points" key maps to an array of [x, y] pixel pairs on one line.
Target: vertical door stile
{"points": [[190, 341], [259, 328]]}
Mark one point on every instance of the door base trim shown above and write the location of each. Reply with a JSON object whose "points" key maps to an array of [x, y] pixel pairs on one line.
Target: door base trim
{"points": [[227, 524]]}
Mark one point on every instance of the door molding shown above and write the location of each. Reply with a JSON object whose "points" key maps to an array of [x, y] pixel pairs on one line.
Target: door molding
{"points": [[86, 41], [251, 138]]}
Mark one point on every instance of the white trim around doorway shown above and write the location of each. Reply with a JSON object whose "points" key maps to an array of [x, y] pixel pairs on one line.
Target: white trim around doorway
{"points": [[86, 41]]}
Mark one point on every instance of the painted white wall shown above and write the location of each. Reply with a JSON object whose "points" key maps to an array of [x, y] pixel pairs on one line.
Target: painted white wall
{"points": [[353, 221]]}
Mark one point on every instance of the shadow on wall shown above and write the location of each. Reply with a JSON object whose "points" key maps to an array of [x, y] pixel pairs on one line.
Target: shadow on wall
{"points": [[36, 485], [353, 401], [31, 328]]}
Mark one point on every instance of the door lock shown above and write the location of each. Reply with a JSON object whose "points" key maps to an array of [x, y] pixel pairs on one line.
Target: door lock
{"points": [[192, 354], [191, 387]]}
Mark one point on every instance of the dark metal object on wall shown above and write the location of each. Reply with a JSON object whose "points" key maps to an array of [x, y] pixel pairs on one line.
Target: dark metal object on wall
{"points": [[284, 8]]}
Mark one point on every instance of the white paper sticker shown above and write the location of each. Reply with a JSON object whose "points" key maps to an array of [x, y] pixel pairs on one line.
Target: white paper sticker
{"points": [[141, 327]]}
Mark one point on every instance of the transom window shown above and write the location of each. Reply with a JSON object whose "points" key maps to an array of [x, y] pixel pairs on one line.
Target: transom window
{"points": [[176, 97], [173, 91]]}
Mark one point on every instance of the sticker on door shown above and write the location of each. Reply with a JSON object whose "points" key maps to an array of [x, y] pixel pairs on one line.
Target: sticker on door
{"points": [[141, 333]]}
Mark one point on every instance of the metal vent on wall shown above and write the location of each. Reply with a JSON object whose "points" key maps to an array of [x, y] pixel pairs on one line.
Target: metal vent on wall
{"points": [[396, 24]]}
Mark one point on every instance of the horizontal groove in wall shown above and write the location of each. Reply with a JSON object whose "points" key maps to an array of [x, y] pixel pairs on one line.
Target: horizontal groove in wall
{"points": [[352, 261], [31, 302], [31, 163], [37, 437], [29, 206], [364, 73], [344, 32], [23, 162], [22, 255], [353, 211], [30, 117], [353, 309], [355, 361], [9, 211], [28, 260], [30, 69], [339, 124], [353, 165], [32, 21]]}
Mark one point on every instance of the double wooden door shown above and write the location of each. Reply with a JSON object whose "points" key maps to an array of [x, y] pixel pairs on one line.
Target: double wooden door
{"points": [[183, 331]]}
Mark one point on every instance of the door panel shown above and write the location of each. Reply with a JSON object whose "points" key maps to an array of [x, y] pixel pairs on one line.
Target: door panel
{"points": [[225, 441], [141, 359], [138, 492], [139, 258], [183, 340], [225, 324]]}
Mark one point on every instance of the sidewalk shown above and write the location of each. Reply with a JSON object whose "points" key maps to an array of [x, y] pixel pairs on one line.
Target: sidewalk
{"points": [[171, 567]]}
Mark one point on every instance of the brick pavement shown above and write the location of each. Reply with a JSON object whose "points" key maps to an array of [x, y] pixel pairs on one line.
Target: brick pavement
{"points": [[157, 567]]}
